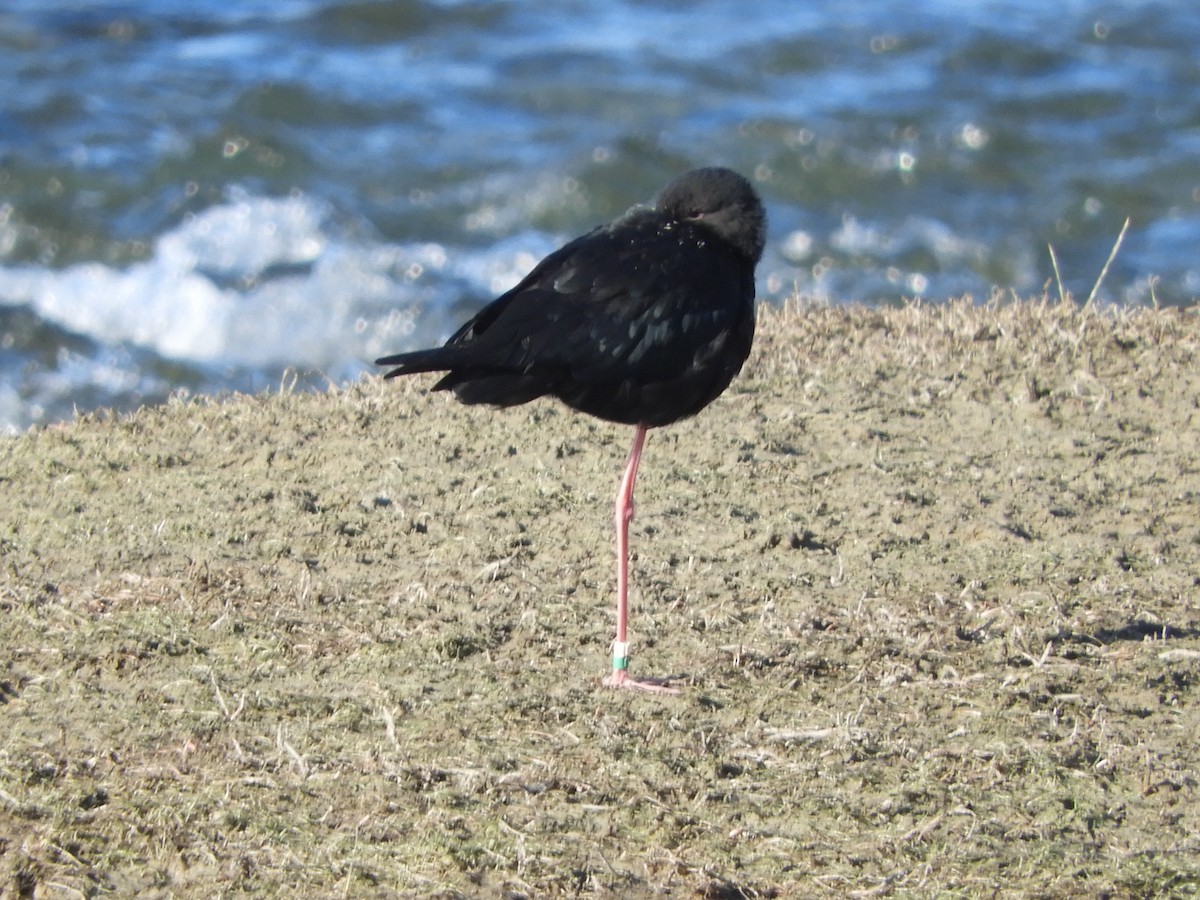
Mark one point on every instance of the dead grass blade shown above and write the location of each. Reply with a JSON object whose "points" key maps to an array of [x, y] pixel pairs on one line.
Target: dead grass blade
{"points": [[1062, 294], [1111, 256]]}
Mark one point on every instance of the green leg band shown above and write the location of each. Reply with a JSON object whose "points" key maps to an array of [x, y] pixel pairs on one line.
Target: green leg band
{"points": [[620, 656]]}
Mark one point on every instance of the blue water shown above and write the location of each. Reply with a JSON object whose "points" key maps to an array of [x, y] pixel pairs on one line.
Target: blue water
{"points": [[202, 196]]}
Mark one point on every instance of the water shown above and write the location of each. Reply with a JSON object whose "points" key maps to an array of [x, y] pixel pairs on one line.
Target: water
{"points": [[201, 196]]}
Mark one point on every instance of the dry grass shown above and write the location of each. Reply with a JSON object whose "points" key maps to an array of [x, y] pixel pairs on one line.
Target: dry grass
{"points": [[931, 575]]}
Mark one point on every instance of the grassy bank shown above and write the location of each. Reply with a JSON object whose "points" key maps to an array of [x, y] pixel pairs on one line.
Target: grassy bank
{"points": [[929, 577]]}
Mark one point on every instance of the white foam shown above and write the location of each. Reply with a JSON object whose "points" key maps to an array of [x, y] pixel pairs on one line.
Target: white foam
{"points": [[242, 291], [16, 413], [263, 282]]}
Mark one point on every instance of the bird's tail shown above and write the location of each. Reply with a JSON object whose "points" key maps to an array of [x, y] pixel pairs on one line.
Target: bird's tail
{"points": [[436, 360], [471, 383]]}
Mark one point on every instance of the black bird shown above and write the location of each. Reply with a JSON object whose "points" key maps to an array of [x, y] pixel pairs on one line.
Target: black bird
{"points": [[644, 321]]}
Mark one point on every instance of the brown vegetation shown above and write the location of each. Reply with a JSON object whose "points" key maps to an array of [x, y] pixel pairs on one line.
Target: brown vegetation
{"points": [[931, 575]]}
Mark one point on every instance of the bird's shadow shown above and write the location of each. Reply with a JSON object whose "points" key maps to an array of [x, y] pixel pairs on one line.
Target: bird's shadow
{"points": [[1137, 630]]}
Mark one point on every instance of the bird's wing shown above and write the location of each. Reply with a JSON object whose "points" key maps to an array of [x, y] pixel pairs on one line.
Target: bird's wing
{"points": [[635, 300]]}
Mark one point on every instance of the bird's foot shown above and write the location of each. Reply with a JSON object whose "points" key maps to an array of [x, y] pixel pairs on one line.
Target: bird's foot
{"points": [[622, 679]]}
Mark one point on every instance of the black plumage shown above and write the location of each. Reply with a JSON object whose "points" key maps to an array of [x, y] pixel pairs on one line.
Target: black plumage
{"points": [[644, 321]]}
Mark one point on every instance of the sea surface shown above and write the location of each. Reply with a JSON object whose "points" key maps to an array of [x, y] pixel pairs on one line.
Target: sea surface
{"points": [[201, 196]]}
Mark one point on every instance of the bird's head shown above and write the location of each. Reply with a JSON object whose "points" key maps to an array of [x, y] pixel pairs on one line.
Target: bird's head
{"points": [[724, 201]]}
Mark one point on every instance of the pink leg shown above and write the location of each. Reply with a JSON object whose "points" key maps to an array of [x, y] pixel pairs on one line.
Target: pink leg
{"points": [[620, 674]]}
